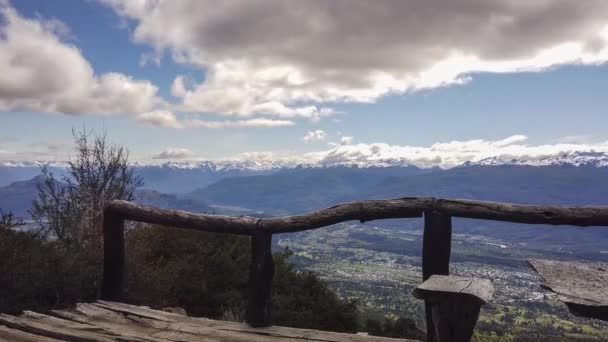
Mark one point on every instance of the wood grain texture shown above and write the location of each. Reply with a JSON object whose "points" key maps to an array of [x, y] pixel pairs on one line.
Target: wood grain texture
{"points": [[111, 321], [13, 335], [524, 213], [438, 285], [582, 286], [407, 207]]}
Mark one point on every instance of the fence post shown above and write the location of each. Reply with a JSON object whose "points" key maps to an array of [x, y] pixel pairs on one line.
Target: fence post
{"points": [[260, 280], [436, 249], [113, 256]]}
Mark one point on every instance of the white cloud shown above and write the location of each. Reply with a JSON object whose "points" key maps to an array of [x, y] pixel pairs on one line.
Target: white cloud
{"points": [[346, 140], [258, 122], [40, 71], [575, 139], [316, 135], [310, 53], [164, 118], [161, 118], [441, 154], [174, 153], [40, 150]]}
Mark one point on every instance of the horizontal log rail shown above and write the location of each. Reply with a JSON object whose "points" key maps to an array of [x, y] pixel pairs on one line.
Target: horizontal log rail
{"points": [[437, 212], [407, 207]]}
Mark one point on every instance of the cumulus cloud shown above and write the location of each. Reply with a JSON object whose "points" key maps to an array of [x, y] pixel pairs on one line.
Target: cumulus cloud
{"points": [[41, 71], [174, 153], [316, 135], [310, 53]]}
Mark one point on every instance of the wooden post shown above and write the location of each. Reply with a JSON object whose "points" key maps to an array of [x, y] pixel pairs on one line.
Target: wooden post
{"points": [[260, 280], [113, 256], [455, 303], [436, 249]]}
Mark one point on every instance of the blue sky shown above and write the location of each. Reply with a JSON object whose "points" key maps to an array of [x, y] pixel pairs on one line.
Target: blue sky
{"points": [[230, 105]]}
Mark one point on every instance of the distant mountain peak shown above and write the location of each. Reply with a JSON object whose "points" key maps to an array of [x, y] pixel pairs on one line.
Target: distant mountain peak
{"points": [[577, 158]]}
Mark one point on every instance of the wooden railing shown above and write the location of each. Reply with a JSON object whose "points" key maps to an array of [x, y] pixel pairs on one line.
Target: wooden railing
{"points": [[436, 245]]}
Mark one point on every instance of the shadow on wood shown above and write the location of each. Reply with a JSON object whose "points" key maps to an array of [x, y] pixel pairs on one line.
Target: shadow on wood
{"points": [[260, 280], [455, 303]]}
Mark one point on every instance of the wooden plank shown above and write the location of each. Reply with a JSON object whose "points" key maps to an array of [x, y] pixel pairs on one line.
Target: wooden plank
{"points": [[482, 289], [141, 311], [261, 272], [116, 322], [436, 250], [66, 330], [582, 286], [111, 322], [13, 335], [225, 331], [245, 333]]}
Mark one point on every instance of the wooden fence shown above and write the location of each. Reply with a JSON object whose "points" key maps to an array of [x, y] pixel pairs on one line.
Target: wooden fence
{"points": [[436, 245]]}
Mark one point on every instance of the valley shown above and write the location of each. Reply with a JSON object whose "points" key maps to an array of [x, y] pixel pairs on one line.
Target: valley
{"points": [[380, 277]]}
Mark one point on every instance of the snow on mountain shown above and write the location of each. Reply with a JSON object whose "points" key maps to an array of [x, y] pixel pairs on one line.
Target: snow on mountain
{"points": [[593, 159], [345, 159]]}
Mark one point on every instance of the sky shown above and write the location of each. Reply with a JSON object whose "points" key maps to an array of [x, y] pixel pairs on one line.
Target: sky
{"points": [[195, 79]]}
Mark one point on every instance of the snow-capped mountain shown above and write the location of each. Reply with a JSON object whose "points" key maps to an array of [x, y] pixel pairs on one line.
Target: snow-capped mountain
{"points": [[595, 159], [578, 159]]}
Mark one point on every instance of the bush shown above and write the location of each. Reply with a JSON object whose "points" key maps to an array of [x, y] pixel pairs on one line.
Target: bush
{"points": [[207, 274], [204, 273], [401, 328], [303, 300], [39, 275]]}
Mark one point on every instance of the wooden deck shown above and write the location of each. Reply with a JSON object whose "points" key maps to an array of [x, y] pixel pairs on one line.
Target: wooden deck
{"points": [[111, 321], [582, 286]]}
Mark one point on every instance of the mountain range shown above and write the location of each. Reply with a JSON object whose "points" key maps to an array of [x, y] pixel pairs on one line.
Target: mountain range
{"points": [[183, 176], [574, 179]]}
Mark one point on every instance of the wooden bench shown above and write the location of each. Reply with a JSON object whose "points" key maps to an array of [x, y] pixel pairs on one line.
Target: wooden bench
{"points": [[455, 304], [582, 286]]}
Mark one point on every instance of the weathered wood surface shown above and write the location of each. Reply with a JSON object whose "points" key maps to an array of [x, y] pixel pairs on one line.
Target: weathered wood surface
{"points": [[454, 304], [524, 213], [112, 321], [406, 207], [582, 286], [8, 334], [182, 219], [438, 285]]}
